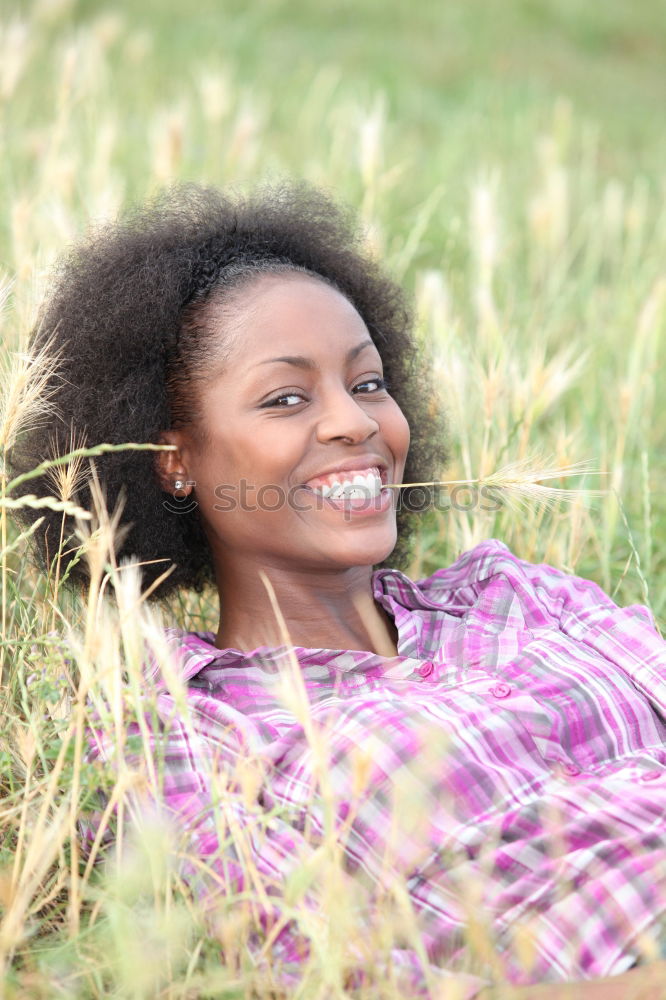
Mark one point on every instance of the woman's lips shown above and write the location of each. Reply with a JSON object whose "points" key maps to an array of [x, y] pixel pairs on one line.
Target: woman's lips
{"points": [[348, 479], [368, 495], [362, 506]]}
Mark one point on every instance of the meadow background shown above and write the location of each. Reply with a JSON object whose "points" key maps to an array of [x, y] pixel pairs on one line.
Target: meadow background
{"points": [[507, 161]]}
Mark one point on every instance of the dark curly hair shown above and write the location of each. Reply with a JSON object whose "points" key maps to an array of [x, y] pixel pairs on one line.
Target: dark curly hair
{"points": [[127, 311]]}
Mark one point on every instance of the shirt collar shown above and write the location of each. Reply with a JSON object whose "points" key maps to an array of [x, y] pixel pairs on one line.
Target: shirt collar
{"points": [[194, 651]]}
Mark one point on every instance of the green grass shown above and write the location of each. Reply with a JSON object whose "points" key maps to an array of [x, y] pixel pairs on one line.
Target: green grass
{"points": [[507, 162]]}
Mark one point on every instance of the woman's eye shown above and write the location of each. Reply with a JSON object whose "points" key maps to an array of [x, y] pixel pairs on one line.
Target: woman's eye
{"points": [[380, 384], [278, 401]]}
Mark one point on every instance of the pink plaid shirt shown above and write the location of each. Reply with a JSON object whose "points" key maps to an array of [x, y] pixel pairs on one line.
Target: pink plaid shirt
{"points": [[521, 731]]}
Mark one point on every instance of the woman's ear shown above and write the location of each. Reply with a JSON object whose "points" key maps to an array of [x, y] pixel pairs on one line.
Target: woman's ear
{"points": [[170, 465]]}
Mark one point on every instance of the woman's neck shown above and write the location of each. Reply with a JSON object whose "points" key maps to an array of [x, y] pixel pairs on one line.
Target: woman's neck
{"points": [[334, 610]]}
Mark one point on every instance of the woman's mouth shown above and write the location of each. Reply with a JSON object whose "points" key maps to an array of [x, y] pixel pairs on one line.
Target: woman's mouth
{"points": [[362, 491], [362, 484]]}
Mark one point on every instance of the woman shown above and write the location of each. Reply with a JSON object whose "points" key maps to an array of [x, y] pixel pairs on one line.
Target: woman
{"points": [[513, 713]]}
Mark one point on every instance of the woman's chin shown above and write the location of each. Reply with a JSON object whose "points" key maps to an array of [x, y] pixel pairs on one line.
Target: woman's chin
{"points": [[358, 551]]}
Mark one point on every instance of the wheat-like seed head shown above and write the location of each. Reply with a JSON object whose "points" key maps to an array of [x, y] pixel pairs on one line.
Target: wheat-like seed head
{"points": [[67, 479], [27, 385], [520, 483], [40, 503]]}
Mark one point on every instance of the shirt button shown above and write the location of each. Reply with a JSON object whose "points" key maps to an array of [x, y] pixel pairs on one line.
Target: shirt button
{"points": [[501, 690], [426, 669], [571, 770]]}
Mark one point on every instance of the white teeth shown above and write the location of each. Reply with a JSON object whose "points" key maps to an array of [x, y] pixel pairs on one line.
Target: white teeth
{"points": [[339, 490], [359, 487]]}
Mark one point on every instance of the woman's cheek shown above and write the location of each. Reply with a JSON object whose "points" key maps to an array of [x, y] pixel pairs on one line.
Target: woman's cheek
{"points": [[402, 434]]}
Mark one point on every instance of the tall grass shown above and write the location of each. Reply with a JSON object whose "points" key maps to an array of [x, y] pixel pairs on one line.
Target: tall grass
{"points": [[539, 286]]}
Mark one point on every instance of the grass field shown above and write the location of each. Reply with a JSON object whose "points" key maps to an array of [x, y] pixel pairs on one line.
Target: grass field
{"points": [[507, 161]]}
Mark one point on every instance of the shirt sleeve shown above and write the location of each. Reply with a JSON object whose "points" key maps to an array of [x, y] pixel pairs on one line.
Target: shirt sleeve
{"points": [[626, 637], [231, 845]]}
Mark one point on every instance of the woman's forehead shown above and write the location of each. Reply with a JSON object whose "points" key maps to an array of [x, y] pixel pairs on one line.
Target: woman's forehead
{"points": [[286, 313]]}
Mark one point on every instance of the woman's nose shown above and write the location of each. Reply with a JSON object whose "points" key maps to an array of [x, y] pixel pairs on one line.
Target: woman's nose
{"points": [[343, 417]]}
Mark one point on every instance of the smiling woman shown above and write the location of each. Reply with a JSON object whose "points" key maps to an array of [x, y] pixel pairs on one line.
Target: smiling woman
{"points": [[293, 425], [168, 324], [509, 719]]}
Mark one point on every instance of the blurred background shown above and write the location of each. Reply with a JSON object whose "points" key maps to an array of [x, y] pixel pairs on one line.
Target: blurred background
{"points": [[507, 162], [506, 159]]}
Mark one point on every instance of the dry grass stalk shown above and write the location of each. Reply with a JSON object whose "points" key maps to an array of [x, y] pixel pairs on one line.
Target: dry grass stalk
{"points": [[66, 477], [27, 385], [521, 483]]}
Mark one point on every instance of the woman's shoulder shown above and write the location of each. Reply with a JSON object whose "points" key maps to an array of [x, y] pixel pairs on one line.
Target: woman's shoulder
{"points": [[486, 561], [459, 584], [188, 652], [494, 575], [490, 566]]}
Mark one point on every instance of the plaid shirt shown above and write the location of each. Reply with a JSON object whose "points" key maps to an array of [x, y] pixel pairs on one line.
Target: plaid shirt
{"points": [[520, 730]]}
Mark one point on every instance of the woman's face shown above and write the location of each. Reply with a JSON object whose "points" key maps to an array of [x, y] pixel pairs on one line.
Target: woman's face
{"points": [[298, 396]]}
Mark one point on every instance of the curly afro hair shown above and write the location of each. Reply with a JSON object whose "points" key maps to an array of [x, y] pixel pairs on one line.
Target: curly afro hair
{"points": [[127, 315]]}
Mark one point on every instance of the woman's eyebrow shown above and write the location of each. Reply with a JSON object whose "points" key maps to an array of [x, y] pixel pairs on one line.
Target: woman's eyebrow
{"points": [[301, 362]]}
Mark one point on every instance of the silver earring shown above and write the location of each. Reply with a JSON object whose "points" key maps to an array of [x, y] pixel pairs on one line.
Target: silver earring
{"points": [[179, 484]]}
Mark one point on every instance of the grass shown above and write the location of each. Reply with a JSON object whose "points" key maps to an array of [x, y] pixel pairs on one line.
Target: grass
{"points": [[508, 165]]}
